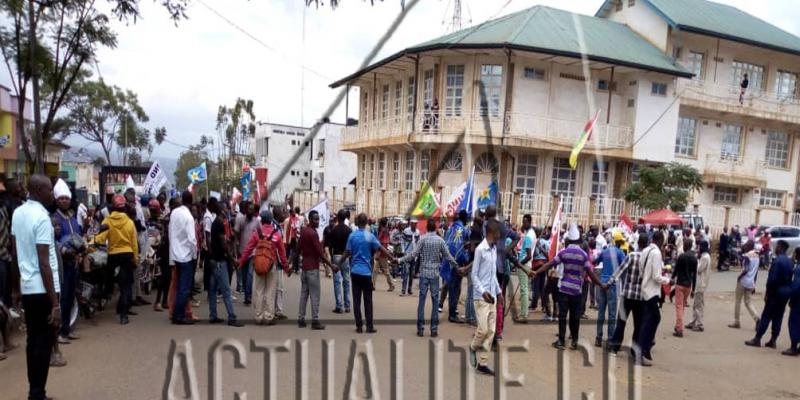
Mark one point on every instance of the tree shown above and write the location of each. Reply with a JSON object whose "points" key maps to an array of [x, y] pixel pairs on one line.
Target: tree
{"points": [[47, 47], [192, 157], [664, 186], [236, 127], [106, 115]]}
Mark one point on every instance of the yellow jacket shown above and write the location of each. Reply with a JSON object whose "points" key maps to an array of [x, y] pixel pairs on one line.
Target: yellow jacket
{"points": [[120, 237]]}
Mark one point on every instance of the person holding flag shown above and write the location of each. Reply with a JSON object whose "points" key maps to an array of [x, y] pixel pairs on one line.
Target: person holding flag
{"points": [[455, 239]]}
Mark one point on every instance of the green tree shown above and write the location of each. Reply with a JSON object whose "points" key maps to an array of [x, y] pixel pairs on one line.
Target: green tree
{"points": [[48, 47], [192, 157], [665, 186], [106, 115], [236, 127]]}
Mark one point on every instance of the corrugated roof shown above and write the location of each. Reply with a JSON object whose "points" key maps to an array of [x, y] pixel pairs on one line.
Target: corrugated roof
{"points": [[724, 21], [552, 31]]}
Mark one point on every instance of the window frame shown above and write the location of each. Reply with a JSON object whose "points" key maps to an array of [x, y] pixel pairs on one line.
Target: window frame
{"points": [[727, 155], [493, 87], [396, 171], [772, 201], [772, 151], [722, 192], [385, 102], [561, 164], [753, 71], [527, 173], [693, 64], [454, 90], [409, 171], [655, 89], [382, 170], [398, 99], [682, 146], [779, 79]]}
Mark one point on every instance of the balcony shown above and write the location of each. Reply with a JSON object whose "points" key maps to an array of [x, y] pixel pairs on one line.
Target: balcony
{"points": [[524, 130], [734, 170], [725, 98]]}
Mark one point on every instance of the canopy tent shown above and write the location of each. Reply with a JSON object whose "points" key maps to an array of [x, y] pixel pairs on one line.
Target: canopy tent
{"points": [[661, 217]]}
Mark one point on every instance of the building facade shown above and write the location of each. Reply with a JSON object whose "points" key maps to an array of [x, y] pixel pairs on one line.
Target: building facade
{"points": [[12, 158], [510, 96]]}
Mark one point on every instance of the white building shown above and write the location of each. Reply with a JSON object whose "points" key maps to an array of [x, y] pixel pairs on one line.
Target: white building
{"points": [[320, 165], [663, 73]]}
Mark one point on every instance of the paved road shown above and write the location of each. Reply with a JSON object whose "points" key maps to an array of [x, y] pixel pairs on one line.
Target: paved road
{"points": [[131, 362]]}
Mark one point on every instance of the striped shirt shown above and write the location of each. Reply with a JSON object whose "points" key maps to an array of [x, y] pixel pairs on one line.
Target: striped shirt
{"points": [[576, 263], [431, 250], [5, 234], [631, 275]]}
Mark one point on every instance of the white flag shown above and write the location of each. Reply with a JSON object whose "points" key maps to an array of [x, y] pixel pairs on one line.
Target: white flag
{"points": [[155, 180], [324, 216]]}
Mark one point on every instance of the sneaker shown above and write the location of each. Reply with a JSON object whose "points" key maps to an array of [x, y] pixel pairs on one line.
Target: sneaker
{"points": [[157, 307], [359, 330], [473, 358], [347, 310], [123, 320], [235, 323], [791, 352], [317, 326], [698, 329], [337, 310], [559, 344], [372, 330], [402, 294], [735, 325], [247, 302], [753, 342], [677, 334], [643, 362], [482, 369], [573, 345], [301, 323], [440, 309], [771, 344]]}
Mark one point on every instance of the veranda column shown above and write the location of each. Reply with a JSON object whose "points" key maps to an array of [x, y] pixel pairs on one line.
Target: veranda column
{"points": [[515, 207]]}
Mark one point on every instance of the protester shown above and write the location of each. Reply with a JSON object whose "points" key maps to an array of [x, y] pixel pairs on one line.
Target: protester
{"points": [[631, 275], [157, 224], [780, 275], [431, 251], [540, 250], [312, 254], [119, 234], [746, 284], [685, 278], [361, 246], [72, 246], [724, 247], [703, 275], [611, 258], [521, 275], [383, 263], [245, 225], [136, 214], [279, 216], [219, 255], [336, 242], [476, 236], [486, 292], [410, 238], [35, 249], [183, 248], [457, 239], [792, 292]]}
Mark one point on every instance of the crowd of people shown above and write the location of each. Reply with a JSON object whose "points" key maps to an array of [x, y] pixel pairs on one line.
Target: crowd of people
{"points": [[49, 243]]}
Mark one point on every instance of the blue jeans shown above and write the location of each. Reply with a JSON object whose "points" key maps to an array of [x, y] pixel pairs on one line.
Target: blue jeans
{"points": [[219, 281], [184, 286], [606, 299], [469, 305], [454, 292], [245, 275], [341, 283], [408, 277], [68, 286], [426, 284]]}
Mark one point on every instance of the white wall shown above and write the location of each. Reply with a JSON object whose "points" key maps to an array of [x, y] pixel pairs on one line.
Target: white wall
{"points": [[281, 150], [656, 120], [644, 21]]}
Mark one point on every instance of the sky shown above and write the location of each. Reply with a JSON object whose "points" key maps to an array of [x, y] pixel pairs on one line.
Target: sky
{"points": [[255, 49]]}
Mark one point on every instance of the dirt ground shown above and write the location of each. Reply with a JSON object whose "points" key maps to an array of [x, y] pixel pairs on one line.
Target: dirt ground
{"points": [[131, 362]]}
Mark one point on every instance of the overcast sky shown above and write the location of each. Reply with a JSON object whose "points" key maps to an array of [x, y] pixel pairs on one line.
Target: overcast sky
{"points": [[183, 73]]}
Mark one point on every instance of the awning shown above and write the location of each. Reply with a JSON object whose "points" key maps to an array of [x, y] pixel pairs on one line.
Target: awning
{"points": [[661, 217]]}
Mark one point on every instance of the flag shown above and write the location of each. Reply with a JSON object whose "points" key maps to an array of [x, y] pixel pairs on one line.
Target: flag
{"points": [[487, 197], [462, 197], [556, 229], [581, 142], [247, 177], [236, 196], [428, 204], [129, 183], [324, 216], [156, 179], [625, 224], [197, 174]]}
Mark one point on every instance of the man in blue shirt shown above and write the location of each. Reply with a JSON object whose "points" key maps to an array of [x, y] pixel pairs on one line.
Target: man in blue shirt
{"points": [[456, 239], [792, 292], [361, 247], [71, 246], [780, 275], [612, 257]]}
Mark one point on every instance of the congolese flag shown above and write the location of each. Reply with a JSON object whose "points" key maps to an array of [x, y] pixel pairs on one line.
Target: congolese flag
{"points": [[197, 174], [427, 205], [582, 140]]}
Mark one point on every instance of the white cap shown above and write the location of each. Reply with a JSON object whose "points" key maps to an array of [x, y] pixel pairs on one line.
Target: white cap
{"points": [[572, 232], [61, 189], [129, 183]]}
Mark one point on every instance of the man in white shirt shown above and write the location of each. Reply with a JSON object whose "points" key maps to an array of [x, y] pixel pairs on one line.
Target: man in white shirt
{"points": [[486, 295], [34, 242], [182, 253], [651, 290]]}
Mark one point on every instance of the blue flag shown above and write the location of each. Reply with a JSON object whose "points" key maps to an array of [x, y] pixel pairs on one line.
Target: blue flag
{"points": [[487, 197], [197, 174], [467, 202]]}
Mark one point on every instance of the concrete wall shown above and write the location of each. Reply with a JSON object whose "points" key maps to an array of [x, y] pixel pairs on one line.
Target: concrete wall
{"points": [[339, 167], [281, 149], [656, 120], [644, 21]]}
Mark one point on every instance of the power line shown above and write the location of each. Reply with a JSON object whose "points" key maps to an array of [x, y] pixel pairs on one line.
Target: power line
{"points": [[261, 42]]}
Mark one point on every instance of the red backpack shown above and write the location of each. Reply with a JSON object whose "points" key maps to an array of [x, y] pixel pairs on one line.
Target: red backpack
{"points": [[266, 253]]}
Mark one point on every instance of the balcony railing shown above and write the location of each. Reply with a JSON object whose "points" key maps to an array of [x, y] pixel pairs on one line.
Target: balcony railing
{"points": [[734, 166], [728, 96], [559, 131]]}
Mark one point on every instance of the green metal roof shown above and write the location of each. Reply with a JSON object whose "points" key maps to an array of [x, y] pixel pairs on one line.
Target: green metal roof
{"points": [[551, 31], [723, 21]]}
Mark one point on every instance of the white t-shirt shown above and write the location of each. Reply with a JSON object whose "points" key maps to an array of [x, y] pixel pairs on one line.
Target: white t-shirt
{"points": [[748, 280], [31, 226]]}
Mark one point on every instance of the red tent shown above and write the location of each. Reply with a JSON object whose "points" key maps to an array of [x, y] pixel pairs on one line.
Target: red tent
{"points": [[661, 217]]}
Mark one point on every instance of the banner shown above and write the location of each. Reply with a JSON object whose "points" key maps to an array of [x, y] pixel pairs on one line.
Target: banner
{"points": [[324, 216], [247, 176], [555, 230], [156, 179]]}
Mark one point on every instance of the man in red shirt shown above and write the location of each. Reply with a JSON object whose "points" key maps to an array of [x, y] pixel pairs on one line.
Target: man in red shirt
{"points": [[312, 252], [383, 262]]}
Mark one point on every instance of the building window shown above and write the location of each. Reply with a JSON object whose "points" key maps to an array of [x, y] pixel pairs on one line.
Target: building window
{"points": [[365, 106], [305, 174], [396, 171], [786, 85], [755, 75], [695, 64], [600, 178], [771, 198], [385, 102], [427, 89], [294, 143], [487, 163], [726, 194], [631, 103], [362, 180], [563, 182], [534, 73], [454, 90], [424, 165], [659, 89], [631, 3], [492, 81], [686, 138], [527, 170], [409, 170], [452, 161], [398, 98], [777, 150], [410, 97], [731, 142], [371, 170], [381, 170], [619, 5]]}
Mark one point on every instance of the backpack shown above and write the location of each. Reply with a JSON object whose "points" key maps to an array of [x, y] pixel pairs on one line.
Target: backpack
{"points": [[265, 254]]}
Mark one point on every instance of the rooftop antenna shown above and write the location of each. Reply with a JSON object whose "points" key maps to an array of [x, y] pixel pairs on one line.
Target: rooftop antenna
{"points": [[455, 22]]}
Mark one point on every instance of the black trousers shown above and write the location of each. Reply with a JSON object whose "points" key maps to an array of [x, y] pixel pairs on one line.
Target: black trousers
{"points": [[362, 286], [774, 308], [124, 279], [551, 291], [651, 317], [568, 304], [628, 307], [41, 338]]}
